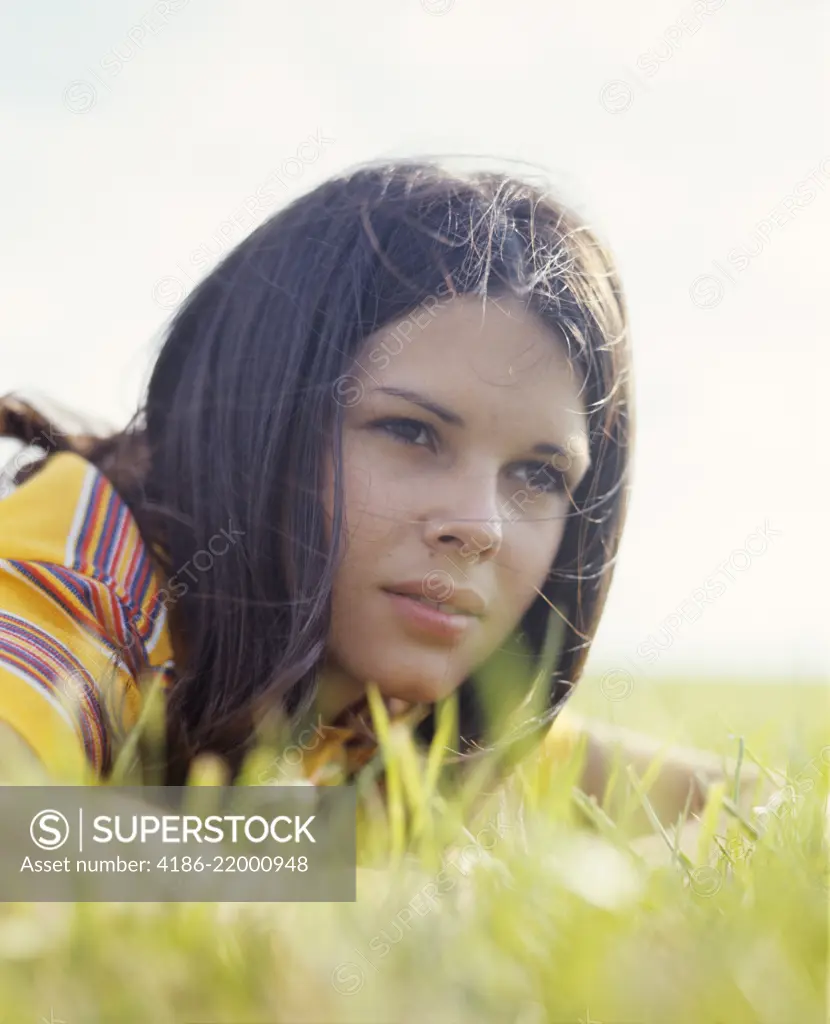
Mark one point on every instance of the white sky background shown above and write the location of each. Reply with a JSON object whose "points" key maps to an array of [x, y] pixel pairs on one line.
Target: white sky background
{"points": [[676, 162]]}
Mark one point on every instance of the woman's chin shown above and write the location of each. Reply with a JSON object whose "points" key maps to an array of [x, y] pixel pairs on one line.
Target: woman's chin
{"points": [[416, 691]]}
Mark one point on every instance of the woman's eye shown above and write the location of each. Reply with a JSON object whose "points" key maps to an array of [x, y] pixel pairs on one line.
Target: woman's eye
{"points": [[543, 476], [408, 431]]}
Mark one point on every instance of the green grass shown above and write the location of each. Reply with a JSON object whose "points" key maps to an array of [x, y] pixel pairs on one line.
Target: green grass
{"points": [[531, 917], [781, 719]]}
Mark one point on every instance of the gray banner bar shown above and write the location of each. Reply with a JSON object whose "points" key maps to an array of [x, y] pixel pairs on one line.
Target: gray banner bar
{"points": [[182, 844]]}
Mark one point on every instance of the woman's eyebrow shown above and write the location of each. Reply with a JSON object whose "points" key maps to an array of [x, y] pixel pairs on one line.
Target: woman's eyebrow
{"points": [[552, 449], [441, 411], [555, 449], [448, 416]]}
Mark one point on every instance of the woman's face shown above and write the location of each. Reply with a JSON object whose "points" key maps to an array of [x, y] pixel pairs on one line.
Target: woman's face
{"points": [[464, 433]]}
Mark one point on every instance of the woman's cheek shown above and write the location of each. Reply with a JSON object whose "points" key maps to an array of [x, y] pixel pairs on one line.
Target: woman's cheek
{"points": [[530, 566], [374, 500]]}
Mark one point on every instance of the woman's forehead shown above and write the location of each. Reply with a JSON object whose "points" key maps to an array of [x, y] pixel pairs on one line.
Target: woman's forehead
{"points": [[481, 360]]}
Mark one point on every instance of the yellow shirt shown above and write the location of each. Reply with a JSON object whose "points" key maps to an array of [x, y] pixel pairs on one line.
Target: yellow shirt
{"points": [[83, 624], [81, 618]]}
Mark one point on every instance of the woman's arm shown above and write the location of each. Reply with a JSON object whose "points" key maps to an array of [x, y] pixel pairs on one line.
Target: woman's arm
{"points": [[686, 773]]}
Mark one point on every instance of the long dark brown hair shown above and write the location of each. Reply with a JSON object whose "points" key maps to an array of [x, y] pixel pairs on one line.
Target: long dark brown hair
{"points": [[243, 405]]}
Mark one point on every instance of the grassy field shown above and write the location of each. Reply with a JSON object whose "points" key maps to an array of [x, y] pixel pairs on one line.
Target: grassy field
{"points": [[780, 719], [529, 917]]}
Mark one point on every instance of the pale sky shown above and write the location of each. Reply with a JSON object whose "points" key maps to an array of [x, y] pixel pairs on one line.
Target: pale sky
{"points": [[692, 135]]}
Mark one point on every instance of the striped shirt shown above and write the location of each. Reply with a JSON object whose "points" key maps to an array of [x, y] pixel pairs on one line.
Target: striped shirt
{"points": [[83, 628], [81, 620]]}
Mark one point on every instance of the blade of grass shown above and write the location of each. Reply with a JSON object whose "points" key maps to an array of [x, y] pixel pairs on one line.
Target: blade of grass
{"points": [[128, 764], [736, 786], [447, 730], [596, 815], [394, 783], [682, 818], [403, 746], [709, 819], [731, 808], [677, 854]]}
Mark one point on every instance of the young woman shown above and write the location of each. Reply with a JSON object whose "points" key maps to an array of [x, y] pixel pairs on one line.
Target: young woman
{"points": [[386, 440]]}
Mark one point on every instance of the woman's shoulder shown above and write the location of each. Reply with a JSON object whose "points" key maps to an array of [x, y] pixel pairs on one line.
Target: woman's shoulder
{"points": [[80, 615], [563, 737], [38, 518], [68, 518]]}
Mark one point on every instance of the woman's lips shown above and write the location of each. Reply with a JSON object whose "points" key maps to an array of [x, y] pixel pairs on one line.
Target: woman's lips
{"points": [[424, 620]]}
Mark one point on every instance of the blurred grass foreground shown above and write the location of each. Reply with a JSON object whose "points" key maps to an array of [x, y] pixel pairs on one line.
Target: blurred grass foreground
{"points": [[542, 910]]}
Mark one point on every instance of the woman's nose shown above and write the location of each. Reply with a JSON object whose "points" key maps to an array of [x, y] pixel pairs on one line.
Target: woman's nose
{"points": [[471, 539]]}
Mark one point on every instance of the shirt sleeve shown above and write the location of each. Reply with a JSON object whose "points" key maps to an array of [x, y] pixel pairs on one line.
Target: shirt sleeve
{"points": [[562, 739], [557, 757], [66, 687]]}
